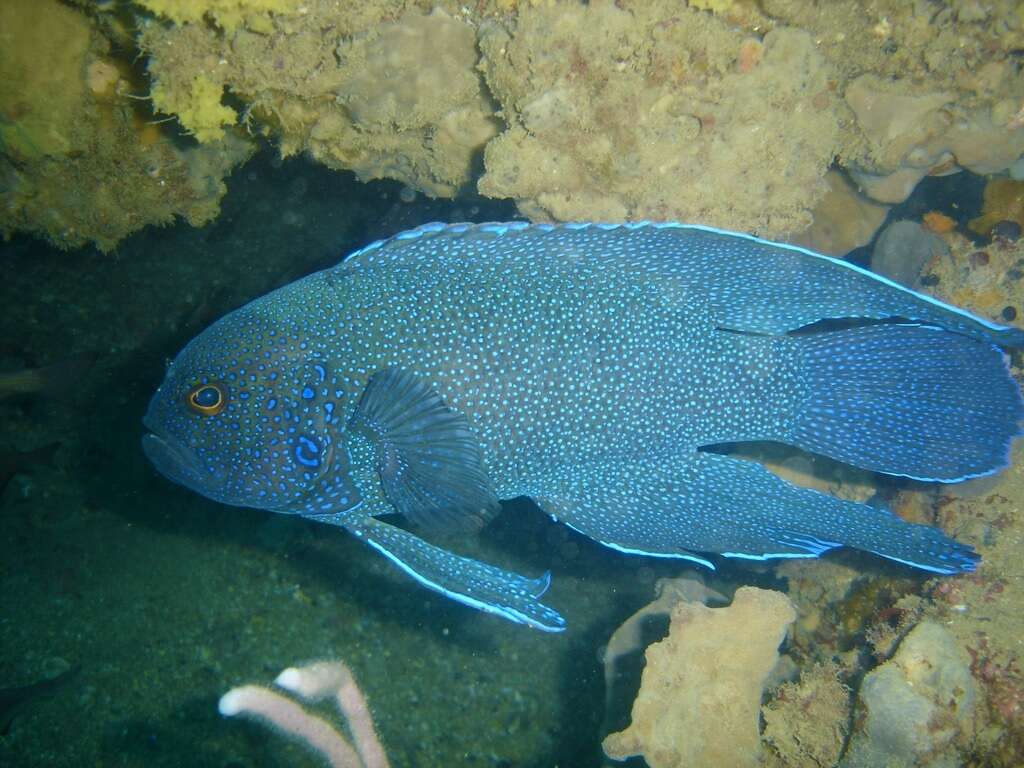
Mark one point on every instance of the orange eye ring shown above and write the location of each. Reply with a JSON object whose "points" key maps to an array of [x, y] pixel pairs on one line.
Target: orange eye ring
{"points": [[208, 399]]}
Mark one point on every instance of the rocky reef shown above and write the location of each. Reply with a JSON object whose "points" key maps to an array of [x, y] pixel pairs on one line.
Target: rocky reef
{"points": [[727, 113]]}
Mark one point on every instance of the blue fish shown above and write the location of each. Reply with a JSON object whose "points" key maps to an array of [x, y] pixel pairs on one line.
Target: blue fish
{"points": [[588, 367]]}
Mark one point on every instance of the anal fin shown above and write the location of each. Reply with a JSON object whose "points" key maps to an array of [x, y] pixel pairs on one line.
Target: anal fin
{"points": [[672, 506]]}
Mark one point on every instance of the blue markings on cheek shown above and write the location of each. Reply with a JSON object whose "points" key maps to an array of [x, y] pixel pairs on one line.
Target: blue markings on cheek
{"points": [[271, 403], [308, 393], [307, 452], [321, 372]]}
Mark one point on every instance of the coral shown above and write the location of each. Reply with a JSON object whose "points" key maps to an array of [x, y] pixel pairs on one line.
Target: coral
{"points": [[837, 598], [982, 612], [80, 161], [806, 722], [939, 143], [313, 683], [969, 708], [700, 696], [227, 14], [817, 589], [198, 107], [903, 130], [720, 112], [835, 603], [412, 85], [919, 705], [887, 627], [627, 638]]}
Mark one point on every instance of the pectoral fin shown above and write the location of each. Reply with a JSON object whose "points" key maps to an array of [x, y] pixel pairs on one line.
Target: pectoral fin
{"points": [[468, 581], [428, 458]]}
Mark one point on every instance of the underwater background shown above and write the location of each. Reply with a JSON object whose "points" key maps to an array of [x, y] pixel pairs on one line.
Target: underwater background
{"points": [[163, 163]]}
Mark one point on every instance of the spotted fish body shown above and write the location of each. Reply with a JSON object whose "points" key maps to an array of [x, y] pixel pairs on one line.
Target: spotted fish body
{"points": [[587, 367]]}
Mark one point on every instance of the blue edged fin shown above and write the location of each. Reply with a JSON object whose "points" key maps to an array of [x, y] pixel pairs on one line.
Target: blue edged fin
{"points": [[702, 502], [467, 581], [428, 459], [906, 400]]}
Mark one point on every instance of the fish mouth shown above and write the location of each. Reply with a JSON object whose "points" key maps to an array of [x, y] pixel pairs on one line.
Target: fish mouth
{"points": [[179, 464]]}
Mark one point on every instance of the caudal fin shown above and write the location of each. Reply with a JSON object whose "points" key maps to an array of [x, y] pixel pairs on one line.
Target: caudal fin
{"points": [[907, 400]]}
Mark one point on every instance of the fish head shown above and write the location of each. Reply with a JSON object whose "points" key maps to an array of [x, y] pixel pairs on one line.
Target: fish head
{"points": [[248, 414]]}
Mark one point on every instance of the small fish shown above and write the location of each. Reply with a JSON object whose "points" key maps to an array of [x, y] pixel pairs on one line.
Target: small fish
{"points": [[590, 367], [55, 380]]}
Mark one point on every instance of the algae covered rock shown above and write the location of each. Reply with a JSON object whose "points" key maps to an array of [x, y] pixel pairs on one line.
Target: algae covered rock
{"points": [[716, 112], [806, 722], [843, 219], [416, 104], [81, 161], [700, 695], [226, 14], [903, 249], [376, 89], [918, 706], [43, 51], [660, 112]]}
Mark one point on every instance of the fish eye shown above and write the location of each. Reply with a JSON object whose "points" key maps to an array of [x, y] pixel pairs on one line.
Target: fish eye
{"points": [[207, 399]]}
